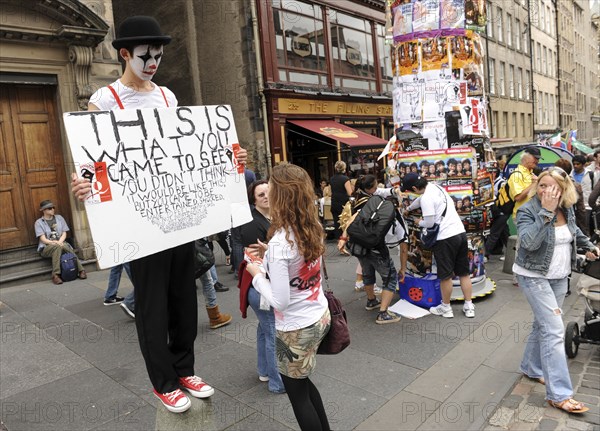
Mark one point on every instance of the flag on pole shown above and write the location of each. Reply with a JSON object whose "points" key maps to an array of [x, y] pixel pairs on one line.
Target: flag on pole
{"points": [[581, 146], [572, 135], [555, 141]]}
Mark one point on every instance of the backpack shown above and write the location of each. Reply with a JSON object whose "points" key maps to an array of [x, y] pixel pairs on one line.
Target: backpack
{"points": [[204, 257], [504, 201], [68, 266], [391, 237], [372, 223]]}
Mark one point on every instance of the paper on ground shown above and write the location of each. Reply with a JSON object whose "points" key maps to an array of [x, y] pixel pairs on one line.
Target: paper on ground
{"points": [[408, 310]]}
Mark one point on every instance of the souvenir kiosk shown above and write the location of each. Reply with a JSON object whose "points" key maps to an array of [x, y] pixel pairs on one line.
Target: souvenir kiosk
{"points": [[440, 116]]}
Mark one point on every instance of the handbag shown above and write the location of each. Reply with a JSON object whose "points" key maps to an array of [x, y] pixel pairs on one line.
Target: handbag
{"points": [[429, 235], [204, 257], [338, 336]]}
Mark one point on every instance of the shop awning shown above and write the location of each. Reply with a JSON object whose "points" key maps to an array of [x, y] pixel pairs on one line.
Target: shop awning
{"points": [[339, 132]]}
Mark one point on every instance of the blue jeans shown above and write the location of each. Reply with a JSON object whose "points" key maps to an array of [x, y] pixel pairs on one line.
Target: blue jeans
{"points": [[208, 289], [384, 265], [213, 274], [237, 249], [114, 279], [545, 349], [265, 343]]}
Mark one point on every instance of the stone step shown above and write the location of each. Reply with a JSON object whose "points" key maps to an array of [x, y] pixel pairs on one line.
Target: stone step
{"points": [[25, 265]]}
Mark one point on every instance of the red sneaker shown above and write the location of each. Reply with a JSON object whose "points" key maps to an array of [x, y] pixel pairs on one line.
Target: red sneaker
{"points": [[196, 387], [176, 401]]}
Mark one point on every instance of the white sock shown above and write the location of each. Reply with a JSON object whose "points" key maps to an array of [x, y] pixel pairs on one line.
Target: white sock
{"points": [[469, 303], [445, 305]]}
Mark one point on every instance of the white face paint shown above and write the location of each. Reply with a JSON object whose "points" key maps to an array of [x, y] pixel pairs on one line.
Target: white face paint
{"points": [[145, 60]]}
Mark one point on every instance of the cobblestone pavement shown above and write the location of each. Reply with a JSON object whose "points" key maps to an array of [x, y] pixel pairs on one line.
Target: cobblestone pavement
{"points": [[525, 408]]}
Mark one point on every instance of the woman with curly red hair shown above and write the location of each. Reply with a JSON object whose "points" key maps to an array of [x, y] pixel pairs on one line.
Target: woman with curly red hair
{"points": [[293, 264]]}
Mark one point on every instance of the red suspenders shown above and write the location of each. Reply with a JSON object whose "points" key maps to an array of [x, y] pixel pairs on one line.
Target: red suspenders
{"points": [[118, 99]]}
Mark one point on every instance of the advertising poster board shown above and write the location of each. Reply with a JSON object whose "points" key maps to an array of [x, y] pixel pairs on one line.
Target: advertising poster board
{"points": [[160, 177]]}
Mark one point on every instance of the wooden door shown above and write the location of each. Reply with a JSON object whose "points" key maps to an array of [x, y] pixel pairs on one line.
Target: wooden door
{"points": [[31, 162]]}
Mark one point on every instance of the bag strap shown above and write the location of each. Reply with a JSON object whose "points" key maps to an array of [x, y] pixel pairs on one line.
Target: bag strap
{"points": [[378, 206], [325, 276], [445, 200]]}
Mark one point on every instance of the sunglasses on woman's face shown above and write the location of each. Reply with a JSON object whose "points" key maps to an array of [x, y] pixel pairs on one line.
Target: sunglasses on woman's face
{"points": [[559, 170]]}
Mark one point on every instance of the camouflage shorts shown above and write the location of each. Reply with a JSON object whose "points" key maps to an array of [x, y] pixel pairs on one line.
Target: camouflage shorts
{"points": [[297, 350]]}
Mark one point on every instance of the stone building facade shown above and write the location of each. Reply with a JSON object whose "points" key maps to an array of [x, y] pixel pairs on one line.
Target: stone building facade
{"points": [[54, 54], [509, 72]]}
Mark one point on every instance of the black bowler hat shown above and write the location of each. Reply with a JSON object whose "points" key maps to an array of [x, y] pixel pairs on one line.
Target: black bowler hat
{"points": [[139, 30]]}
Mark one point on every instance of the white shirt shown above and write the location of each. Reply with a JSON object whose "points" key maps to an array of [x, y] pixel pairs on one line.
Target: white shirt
{"points": [[294, 286], [432, 203], [560, 265], [132, 99]]}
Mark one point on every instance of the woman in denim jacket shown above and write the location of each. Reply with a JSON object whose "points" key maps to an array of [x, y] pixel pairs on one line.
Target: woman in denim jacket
{"points": [[548, 240]]}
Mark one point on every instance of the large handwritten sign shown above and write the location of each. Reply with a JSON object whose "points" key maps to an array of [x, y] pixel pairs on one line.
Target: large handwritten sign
{"points": [[160, 177]]}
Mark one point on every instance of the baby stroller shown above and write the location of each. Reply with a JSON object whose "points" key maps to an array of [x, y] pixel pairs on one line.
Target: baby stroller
{"points": [[589, 288]]}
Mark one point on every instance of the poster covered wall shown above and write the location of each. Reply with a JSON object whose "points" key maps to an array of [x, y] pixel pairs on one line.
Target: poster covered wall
{"points": [[439, 97]]}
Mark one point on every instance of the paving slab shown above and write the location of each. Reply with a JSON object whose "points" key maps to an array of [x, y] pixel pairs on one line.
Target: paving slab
{"points": [[20, 299], [473, 403], [134, 377], [70, 293], [98, 345], [10, 320], [141, 419], [229, 367], [218, 412], [366, 371], [405, 411], [95, 311], [443, 378], [80, 401], [258, 421], [406, 342], [507, 356], [29, 358], [276, 407]]}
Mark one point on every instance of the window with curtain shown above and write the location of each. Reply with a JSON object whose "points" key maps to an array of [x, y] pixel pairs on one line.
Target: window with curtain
{"points": [[490, 20], [518, 34], [509, 33], [502, 77], [511, 80], [499, 25], [492, 74], [544, 61]]}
